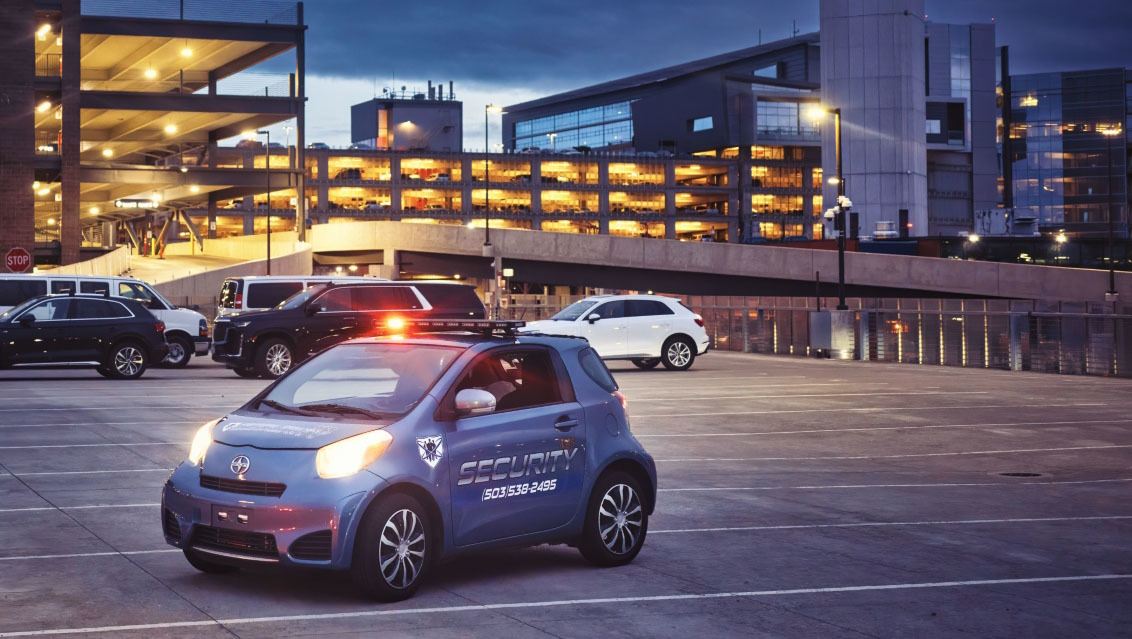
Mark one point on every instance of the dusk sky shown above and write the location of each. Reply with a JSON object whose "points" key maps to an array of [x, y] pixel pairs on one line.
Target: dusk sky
{"points": [[507, 51]]}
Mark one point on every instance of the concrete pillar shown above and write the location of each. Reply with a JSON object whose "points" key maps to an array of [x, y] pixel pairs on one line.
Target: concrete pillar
{"points": [[466, 183], [603, 192], [210, 221], [70, 229], [395, 188], [249, 222], [603, 225], [669, 228], [536, 185], [390, 267], [17, 125]]}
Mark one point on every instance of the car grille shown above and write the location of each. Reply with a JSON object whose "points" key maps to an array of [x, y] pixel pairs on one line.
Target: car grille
{"points": [[315, 546], [262, 488], [170, 527], [248, 543], [219, 331]]}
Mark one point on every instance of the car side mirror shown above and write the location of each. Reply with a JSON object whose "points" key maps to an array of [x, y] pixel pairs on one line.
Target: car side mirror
{"points": [[315, 308], [474, 401], [27, 320], [593, 318]]}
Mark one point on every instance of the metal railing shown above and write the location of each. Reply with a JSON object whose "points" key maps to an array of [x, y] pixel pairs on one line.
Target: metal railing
{"points": [[248, 11], [1021, 335]]}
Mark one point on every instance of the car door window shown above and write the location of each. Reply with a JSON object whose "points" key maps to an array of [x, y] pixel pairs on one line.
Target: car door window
{"points": [[268, 294], [134, 291], [646, 308], [97, 309], [95, 287], [517, 379], [611, 310], [337, 300], [17, 291], [63, 286], [384, 298], [51, 310]]}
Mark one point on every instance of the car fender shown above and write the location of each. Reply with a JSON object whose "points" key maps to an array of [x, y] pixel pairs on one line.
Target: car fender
{"points": [[180, 319], [646, 468]]}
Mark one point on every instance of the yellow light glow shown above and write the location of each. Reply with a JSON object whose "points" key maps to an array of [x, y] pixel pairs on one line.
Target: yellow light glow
{"points": [[42, 107], [201, 441], [1061, 238], [170, 128], [353, 268], [156, 197], [1110, 130], [347, 457], [150, 73], [186, 52], [494, 108], [42, 31], [107, 153], [50, 221], [44, 191], [195, 188], [1029, 101], [94, 210], [816, 112], [35, 185], [973, 238], [395, 323]]}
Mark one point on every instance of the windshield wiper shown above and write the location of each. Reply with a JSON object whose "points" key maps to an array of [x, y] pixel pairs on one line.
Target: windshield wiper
{"points": [[341, 409], [279, 406]]}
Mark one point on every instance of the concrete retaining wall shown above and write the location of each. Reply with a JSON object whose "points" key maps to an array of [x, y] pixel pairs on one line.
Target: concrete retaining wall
{"points": [[115, 262]]}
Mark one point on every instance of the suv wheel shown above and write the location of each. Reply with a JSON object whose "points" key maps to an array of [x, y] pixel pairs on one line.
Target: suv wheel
{"points": [[392, 552], [127, 360], [180, 352], [646, 364], [616, 522], [274, 358], [678, 354]]}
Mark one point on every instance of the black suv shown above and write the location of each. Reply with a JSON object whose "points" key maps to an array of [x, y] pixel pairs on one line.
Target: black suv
{"points": [[269, 343], [117, 336]]}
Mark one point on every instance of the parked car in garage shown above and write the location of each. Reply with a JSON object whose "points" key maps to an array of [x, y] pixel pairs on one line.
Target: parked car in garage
{"points": [[118, 337]]}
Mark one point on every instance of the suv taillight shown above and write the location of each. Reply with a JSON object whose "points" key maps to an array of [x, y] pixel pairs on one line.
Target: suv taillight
{"points": [[239, 301], [159, 327]]}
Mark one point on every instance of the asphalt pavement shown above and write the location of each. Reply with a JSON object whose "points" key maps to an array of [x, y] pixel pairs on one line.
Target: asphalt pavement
{"points": [[798, 498]]}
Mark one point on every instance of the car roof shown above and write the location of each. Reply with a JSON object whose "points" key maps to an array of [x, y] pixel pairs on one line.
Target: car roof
{"points": [[307, 278], [606, 298], [81, 278]]}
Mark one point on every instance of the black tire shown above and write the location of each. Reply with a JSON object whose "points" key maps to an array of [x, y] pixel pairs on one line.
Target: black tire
{"points": [[617, 507], [105, 372], [206, 565], [404, 569], [126, 360], [647, 364], [249, 373], [180, 352], [678, 353], [274, 358]]}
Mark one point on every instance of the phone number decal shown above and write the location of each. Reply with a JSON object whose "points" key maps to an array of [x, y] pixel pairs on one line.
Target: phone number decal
{"points": [[515, 490]]}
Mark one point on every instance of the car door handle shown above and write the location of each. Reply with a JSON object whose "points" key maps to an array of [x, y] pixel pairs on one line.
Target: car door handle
{"points": [[565, 423]]}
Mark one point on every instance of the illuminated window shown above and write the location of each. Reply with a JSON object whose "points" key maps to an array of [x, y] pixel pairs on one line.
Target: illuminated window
{"points": [[607, 125], [705, 123]]}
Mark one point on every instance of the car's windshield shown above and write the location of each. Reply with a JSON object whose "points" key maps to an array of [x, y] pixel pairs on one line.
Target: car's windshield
{"points": [[300, 298], [574, 311], [17, 309], [360, 381]]}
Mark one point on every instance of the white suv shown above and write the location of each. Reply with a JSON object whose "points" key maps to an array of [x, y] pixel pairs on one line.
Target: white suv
{"points": [[646, 329]]}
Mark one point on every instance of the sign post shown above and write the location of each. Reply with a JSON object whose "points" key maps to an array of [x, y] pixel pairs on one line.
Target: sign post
{"points": [[18, 260]]}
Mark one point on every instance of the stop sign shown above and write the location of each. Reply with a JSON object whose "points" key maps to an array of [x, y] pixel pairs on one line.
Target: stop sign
{"points": [[18, 259]]}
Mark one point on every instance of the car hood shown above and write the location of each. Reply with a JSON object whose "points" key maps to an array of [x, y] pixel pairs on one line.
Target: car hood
{"points": [[288, 432]]}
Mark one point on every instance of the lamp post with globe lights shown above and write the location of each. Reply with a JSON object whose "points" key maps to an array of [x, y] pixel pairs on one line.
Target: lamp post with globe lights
{"points": [[817, 113]]}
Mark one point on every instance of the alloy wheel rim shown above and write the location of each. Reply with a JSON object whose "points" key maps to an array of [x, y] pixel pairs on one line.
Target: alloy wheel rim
{"points": [[278, 359], [176, 352], [128, 360], [679, 353], [401, 552], [619, 519]]}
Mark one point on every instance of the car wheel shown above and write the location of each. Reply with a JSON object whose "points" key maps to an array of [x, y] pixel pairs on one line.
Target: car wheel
{"points": [[180, 352], [204, 565], [249, 373], [274, 358], [105, 372], [646, 364], [127, 360], [616, 521], [678, 354], [393, 550]]}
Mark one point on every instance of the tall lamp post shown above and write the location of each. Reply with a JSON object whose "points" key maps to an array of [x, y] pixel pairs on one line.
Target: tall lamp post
{"points": [[1111, 132], [488, 249], [267, 169], [817, 113]]}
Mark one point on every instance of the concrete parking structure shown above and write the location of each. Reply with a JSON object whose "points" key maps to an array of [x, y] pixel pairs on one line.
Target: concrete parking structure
{"points": [[797, 497]]}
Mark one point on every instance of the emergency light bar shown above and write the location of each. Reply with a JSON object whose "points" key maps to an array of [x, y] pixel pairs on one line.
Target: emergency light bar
{"points": [[488, 327]]}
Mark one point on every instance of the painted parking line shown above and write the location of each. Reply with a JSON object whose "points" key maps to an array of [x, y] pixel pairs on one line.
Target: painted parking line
{"points": [[903, 456], [80, 507], [865, 429], [886, 524], [93, 472], [520, 605], [875, 409], [998, 484], [101, 445], [75, 555], [151, 422], [810, 395]]}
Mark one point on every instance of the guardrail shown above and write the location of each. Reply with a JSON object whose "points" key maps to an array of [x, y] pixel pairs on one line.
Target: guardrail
{"points": [[254, 11]]}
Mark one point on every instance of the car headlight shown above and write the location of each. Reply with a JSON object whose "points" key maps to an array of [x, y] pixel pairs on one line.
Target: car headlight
{"points": [[243, 324], [347, 457], [201, 441]]}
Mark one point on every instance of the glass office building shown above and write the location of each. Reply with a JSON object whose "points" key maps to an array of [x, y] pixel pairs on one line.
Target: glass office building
{"points": [[1066, 145], [609, 125]]}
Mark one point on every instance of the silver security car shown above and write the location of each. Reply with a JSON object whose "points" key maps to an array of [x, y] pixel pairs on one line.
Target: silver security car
{"points": [[382, 455]]}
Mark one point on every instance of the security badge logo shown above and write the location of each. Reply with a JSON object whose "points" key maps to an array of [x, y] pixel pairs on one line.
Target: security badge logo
{"points": [[431, 449], [240, 464]]}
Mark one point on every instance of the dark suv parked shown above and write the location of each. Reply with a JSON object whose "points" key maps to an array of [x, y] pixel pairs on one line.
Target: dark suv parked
{"points": [[269, 343], [119, 337]]}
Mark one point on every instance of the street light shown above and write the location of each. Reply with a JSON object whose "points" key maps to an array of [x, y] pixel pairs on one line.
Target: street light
{"points": [[817, 113], [267, 166], [487, 111], [1111, 132]]}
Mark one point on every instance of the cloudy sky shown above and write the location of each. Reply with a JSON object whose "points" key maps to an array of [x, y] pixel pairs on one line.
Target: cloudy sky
{"points": [[507, 51]]}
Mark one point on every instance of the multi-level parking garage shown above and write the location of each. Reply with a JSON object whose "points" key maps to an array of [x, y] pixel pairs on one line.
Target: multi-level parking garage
{"points": [[118, 109]]}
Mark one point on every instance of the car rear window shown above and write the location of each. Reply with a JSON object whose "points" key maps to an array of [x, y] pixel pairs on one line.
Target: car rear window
{"points": [[98, 309], [596, 370], [268, 294], [13, 292], [453, 297], [99, 288], [62, 286], [228, 291]]}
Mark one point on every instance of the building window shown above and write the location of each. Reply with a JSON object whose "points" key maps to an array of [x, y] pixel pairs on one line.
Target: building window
{"points": [[783, 119], [606, 125], [770, 71], [934, 127], [705, 123]]}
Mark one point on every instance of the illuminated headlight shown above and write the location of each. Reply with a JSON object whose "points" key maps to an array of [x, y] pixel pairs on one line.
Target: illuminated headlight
{"points": [[201, 440], [347, 457]]}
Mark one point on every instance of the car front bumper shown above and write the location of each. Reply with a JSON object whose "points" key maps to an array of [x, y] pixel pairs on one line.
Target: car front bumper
{"points": [[312, 524], [201, 345]]}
